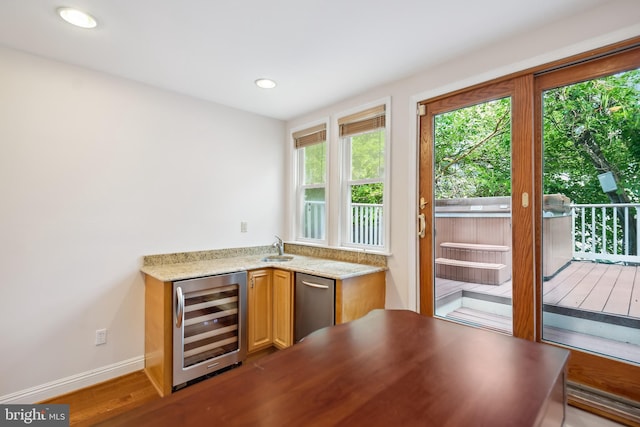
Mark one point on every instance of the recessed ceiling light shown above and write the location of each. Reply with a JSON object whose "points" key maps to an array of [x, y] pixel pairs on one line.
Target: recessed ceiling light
{"points": [[265, 83], [77, 17]]}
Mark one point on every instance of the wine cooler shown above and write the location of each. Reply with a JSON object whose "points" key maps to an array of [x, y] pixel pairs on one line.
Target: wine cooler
{"points": [[209, 325]]}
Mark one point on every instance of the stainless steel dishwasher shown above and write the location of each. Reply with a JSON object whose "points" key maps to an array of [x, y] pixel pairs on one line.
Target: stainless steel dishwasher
{"points": [[315, 304]]}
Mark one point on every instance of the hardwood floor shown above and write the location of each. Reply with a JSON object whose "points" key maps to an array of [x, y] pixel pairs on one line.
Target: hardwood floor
{"points": [[100, 402]]}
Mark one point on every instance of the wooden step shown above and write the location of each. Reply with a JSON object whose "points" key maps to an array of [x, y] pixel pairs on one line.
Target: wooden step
{"points": [[476, 252], [475, 246], [472, 271], [491, 321], [470, 264]]}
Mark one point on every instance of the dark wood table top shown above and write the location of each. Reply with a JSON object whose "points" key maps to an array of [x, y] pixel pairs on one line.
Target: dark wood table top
{"points": [[389, 368]]}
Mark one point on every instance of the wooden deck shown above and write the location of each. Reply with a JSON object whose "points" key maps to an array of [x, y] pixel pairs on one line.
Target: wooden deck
{"points": [[605, 293], [587, 286], [605, 288]]}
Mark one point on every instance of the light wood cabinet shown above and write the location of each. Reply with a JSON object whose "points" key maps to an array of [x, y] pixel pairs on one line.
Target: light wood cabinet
{"points": [[259, 309], [158, 334], [357, 296], [271, 304], [270, 314], [282, 308]]}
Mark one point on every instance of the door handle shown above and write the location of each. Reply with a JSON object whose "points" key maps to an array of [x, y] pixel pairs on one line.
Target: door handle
{"points": [[423, 225], [315, 285], [179, 307]]}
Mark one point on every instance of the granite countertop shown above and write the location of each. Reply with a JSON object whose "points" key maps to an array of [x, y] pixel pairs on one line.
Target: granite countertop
{"points": [[179, 267]]}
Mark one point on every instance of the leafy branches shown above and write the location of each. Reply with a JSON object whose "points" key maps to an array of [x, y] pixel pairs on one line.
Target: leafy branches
{"points": [[589, 128], [473, 151]]}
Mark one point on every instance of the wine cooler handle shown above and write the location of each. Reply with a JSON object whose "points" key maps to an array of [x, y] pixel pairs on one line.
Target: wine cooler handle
{"points": [[179, 307]]}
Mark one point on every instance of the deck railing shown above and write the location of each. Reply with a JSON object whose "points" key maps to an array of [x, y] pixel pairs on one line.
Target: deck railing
{"points": [[314, 220], [366, 222], [606, 232]]}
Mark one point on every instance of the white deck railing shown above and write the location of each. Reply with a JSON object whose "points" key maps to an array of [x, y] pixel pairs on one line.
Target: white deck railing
{"points": [[367, 224], [366, 220], [606, 231], [600, 232], [314, 220]]}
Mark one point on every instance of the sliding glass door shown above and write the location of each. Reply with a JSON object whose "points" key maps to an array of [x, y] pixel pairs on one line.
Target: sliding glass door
{"points": [[529, 212], [588, 143], [476, 272]]}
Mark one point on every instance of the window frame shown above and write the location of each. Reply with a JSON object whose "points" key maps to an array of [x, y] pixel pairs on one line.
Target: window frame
{"points": [[300, 186], [345, 182]]}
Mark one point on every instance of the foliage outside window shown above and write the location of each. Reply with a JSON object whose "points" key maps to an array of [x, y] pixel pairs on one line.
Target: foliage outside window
{"points": [[599, 121], [590, 129], [473, 151]]}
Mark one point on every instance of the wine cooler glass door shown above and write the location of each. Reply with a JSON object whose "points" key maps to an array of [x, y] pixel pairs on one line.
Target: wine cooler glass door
{"points": [[209, 325]]}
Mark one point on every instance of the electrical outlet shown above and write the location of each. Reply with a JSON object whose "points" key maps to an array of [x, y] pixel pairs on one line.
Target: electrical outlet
{"points": [[101, 336], [243, 227]]}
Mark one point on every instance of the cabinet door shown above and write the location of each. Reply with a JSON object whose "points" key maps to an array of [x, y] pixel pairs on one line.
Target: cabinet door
{"points": [[260, 312], [282, 309]]}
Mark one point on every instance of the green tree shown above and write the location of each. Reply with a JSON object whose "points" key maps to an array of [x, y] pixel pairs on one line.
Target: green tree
{"points": [[315, 170], [367, 162], [315, 157], [590, 128], [473, 151]]}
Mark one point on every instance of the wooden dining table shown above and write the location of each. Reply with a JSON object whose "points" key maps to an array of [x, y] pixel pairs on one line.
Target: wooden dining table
{"points": [[388, 368]]}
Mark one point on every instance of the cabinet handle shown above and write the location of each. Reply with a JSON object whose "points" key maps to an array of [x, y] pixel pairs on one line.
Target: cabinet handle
{"points": [[315, 285], [179, 306]]}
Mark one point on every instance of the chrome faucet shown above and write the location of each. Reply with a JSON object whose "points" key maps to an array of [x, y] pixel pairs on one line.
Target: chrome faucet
{"points": [[279, 246]]}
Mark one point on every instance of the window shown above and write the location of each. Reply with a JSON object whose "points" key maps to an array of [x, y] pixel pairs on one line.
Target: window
{"points": [[311, 150], [345, 205], [364, 137]]}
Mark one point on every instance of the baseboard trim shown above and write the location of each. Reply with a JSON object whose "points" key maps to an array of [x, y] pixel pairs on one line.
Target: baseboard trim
{"points": [[604, 404], [74, 382]]}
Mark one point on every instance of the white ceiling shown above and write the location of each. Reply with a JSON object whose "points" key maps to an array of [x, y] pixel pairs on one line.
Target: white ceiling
{"points": [[319, 51]]}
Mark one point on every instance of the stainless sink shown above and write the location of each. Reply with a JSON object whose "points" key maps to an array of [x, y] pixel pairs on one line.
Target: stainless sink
{"points": [[277, 258]]}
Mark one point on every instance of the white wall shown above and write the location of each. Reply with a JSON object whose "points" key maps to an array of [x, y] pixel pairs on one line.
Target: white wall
{"points": [[617, 21], [96, 172]]}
